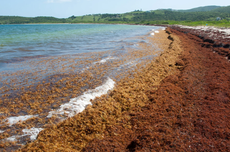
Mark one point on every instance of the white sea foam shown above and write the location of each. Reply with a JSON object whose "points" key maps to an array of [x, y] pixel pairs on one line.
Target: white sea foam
{"points": [[156, 31], [78, 104], [152, 34], [102, 61], [12, 138], [106, 59], [14, 120], [33, 133]]}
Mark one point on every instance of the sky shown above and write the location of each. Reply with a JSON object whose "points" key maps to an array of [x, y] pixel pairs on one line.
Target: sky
{"points": [[67, 8]]}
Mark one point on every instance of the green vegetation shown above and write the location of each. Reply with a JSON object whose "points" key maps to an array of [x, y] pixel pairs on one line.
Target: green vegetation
{"points": [[209, 15], [23, 20], [222, 23], [200, 9]]}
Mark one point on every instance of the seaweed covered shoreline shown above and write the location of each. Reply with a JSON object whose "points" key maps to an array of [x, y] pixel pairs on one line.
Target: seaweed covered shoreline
{"points": [[189, 111], [76, 132], [179, 102]]}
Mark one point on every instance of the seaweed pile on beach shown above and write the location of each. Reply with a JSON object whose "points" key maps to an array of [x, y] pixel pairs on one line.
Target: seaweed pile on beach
{"points": [[216, 39], [178, 102], [189, 111]]}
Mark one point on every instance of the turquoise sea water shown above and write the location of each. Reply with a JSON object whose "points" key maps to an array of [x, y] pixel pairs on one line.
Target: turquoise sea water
{"points": [[18, 42]]}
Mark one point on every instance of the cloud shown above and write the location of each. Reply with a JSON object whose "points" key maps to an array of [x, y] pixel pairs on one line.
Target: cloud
{"points": [[58, 1]]}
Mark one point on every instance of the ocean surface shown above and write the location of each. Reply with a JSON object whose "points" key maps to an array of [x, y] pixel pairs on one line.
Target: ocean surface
{"points": [[19, 42], [49, 72]]}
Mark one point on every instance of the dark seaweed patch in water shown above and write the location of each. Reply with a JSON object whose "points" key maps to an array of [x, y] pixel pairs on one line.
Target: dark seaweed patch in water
{"points": [[20, 59]]}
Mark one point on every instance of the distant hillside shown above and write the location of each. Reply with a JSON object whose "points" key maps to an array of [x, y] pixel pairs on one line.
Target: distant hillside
{"points": [[22, 20], [207, 13], [200, 9], [225, 9]]}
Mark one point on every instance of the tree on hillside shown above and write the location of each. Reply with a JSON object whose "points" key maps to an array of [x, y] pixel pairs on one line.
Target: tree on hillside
{"points": [[72, 17]]}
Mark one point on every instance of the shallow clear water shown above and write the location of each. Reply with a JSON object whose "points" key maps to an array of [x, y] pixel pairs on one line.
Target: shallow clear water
{"points": [[18, 42]]}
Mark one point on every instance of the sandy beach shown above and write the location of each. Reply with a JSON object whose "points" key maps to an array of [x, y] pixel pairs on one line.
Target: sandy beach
{"points": [[178, 102]]}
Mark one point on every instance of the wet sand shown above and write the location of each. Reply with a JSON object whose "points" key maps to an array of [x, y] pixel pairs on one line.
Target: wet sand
{"points": [[178, 102]]}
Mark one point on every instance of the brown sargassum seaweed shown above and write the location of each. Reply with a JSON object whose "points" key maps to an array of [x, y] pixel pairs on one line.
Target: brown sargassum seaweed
{"points": [[113, 109], [179, 102], [188, 112]]}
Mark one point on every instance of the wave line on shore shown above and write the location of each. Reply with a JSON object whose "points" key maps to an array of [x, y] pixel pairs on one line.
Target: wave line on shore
{"points": [[78, 104], [33, 133], [13, 120]]}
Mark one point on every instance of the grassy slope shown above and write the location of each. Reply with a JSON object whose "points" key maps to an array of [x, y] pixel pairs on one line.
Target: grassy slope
{"points": [[21, 20], [190, 17], [200, 9], [163, 17]]}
